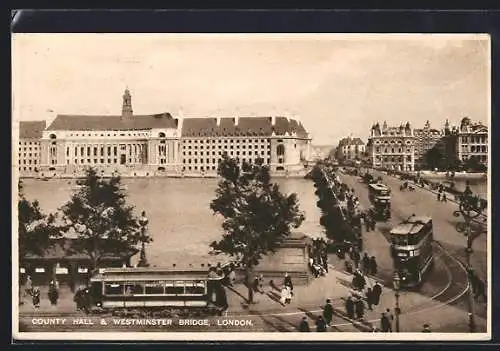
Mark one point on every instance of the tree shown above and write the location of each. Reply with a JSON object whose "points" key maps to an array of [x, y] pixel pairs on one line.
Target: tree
{"points": [[473, 164], [434, 158], [257, 216], [100, 216], [36, 229]]}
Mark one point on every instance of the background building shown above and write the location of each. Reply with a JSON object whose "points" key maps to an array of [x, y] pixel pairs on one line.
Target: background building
{"points": [[392, 147], [427, 139], [350, 149], [155, 145], [29, 155], [472, 141]]}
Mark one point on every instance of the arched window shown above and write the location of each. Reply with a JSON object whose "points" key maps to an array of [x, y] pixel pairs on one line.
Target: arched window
{"points": [[280, 150], [161, 135]]}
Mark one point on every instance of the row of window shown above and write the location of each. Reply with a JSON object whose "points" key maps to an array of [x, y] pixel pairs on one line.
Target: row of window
{"points": [[96, 150], [218, 160], [393, 159], [29, 169], [399, 142], [231, 153], [219, 140], [28, 162], [475, 139], [482, 158], [392, 151], [195, 147], [29, 143], [156, 288], [34, 148], [107, 134], [82, 161]]}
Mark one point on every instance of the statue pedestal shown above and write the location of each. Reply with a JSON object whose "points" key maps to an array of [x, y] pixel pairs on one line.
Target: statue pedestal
{"points": [[290, 257]]}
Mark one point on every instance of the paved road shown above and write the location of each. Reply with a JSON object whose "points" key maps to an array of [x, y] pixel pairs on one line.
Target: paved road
{"points": [[421, 202]]}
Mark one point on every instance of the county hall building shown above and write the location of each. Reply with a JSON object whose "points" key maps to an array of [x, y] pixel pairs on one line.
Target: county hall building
{"points": [[163, 145]]}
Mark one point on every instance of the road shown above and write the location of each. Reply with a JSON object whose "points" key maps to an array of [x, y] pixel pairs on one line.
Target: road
{"points": [[422, 202]]}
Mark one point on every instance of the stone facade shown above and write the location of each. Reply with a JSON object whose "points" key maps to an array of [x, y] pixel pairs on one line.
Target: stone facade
{"points": [[161, 145]]}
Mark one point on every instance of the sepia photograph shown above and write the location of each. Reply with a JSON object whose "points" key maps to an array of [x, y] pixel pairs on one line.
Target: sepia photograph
{"points": [[251, 186]]}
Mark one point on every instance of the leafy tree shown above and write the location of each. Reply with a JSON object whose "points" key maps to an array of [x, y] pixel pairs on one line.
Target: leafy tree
{"points": [[100, 216], [36, 229], [473, 164], [434, 158], [257, 216]]}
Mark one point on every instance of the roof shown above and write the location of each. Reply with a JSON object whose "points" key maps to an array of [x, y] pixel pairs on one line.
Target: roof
{"points": [[406, 228], [84, 122], [242, 126], [31, 129], [350, 141], [379, 186], [419, 219], [155, 273]]}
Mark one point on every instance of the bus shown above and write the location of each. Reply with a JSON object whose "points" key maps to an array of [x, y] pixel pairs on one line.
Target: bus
{"points": [[148, 290], [380, 197], [411, 249]]}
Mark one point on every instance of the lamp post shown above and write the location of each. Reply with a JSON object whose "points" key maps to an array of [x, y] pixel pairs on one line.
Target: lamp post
{"points": [[143, 221], [397, 311], [469, 208]]}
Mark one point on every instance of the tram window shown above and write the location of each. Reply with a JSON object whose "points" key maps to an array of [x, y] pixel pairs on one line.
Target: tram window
{"points": [[196, 287], [154, 288], [113, 288], [133, 289], [174, 288], [399, 239]]}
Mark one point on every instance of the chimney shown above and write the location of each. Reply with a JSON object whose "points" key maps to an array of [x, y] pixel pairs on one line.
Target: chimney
{"points": [[218, 121], [236, 120], [273, 120]]}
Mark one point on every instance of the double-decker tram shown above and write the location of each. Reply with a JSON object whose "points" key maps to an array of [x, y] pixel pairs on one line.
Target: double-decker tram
{"points": [[411, 249], [380, 197], [144, 291]]}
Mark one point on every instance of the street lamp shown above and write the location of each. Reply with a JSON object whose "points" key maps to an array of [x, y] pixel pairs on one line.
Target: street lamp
{"points": [[469, 208], [143, 221], [396, 281]]}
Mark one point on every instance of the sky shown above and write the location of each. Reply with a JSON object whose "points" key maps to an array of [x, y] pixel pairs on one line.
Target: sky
{"points": [[337, 85]]}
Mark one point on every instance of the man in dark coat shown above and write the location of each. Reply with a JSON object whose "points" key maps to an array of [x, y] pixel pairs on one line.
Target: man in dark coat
{"points": [[377, 291], [36, 297], [320, 324], [373, 267], [53, 294], [366, 264], [304, 325], [328, 312], [349, 307], [359, 307], [369, 298], [385, 323], [288, 281]]}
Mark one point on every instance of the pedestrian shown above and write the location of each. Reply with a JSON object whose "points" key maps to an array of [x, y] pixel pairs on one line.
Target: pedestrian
{"points": [[443, 198], [369, 298], [284, 295], [377, 291], [372, 222], [28, 287], [366, 220], [480, 290], [320, 324], [390, 316], [359, 308], [373, 265], [36, 297], [385, 323], [328, 312], [439, 196], [324, 259], [362, 282], [304, 325], [53, 294], [255, 285], [366, 264], [289, 294], [288, 281], [261, 283], [349, 307], [427, 328], [356, 258]]}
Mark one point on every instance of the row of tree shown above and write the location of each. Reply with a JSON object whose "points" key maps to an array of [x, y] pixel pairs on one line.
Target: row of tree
{"points": [[333, 219], [434, 159], [97, 212]]}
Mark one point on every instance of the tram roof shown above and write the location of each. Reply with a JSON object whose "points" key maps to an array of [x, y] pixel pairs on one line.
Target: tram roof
{"points": [[379, 186], [413, 225], [155, 273]]}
